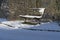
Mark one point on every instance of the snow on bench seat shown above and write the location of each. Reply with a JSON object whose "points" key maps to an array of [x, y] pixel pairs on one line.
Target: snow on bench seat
{"points": [[29, 16]]}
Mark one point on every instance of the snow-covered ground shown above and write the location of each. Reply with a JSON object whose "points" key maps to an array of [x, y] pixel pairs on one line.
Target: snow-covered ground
{"points": [[48, 26], [18, 25], [18, 33], [28, 35]]}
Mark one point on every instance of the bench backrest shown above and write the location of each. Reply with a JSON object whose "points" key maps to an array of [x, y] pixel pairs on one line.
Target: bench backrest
{"points": [[41, 10]]}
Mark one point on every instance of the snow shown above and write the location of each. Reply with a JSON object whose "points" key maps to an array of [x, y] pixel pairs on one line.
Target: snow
{"points": [[19, 25], [29, 16], [48, 26], [28, 35], [17, 33], [2, 19], [41, 10]]}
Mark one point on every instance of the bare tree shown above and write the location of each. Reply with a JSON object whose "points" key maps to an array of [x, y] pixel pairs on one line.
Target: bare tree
{"points": [[58, 11]]}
